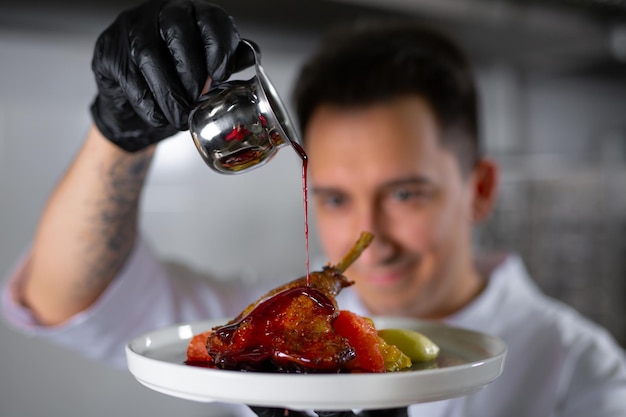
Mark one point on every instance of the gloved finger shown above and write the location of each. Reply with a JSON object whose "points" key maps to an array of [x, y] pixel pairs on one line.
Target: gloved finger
{"points": [[220, 38], [244, 57], [118, 76], [387, 412], [276, 412], [156, 64], [181, 34], [347, 413]]}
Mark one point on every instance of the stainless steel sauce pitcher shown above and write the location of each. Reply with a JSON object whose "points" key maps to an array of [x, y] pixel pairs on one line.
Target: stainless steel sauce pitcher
{"points": [[240, 125]]}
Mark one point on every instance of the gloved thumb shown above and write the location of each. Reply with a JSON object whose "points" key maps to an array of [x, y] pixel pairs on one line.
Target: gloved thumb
{"points": [[244, 57]]}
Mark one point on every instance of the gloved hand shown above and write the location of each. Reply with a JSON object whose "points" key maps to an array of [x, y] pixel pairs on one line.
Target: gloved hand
{"points": [[281, 412], [152, 63]]}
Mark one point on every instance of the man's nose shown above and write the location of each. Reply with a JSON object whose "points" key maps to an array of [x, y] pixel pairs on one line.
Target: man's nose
{"points": [[372, 219], [378, 252]]}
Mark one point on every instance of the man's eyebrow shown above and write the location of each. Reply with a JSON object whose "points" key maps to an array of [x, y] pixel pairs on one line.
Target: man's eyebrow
{"points": [[325, 190], [412, 180]]}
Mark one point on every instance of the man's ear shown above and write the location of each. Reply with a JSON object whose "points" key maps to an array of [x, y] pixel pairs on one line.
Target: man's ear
{"points": [[485, 177]]}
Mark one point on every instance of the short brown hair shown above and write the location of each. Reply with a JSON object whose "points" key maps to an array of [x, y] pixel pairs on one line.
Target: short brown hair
{"points": [[369, 63]]}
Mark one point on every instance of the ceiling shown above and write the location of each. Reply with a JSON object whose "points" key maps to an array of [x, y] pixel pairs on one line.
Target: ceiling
{"points": [[575, 36]]}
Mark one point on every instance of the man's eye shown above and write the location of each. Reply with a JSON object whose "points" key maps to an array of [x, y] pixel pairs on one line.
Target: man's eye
{"points": [[334, 200], [405, 194], [408, 194]]}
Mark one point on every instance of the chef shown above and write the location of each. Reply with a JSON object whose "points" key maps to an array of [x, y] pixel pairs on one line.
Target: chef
{"points": [[389, 120]]}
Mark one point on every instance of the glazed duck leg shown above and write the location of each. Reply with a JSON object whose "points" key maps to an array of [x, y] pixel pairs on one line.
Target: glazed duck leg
{"points": [[330, 280], [290, 329]]}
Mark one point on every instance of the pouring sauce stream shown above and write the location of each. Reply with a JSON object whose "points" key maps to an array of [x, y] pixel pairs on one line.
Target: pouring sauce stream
{"points": [[305, 193]]}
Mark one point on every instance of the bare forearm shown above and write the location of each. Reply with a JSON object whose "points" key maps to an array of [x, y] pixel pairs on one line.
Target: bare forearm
{"points": [[87, 230]]}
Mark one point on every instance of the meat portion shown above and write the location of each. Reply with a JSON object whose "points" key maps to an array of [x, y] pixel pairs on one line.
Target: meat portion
{"points": [[330, 280], [290, 329], [289, 332]]}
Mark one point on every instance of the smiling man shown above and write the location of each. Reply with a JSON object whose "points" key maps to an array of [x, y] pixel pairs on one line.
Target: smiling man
{"points": [[390, 123], [389, 116], [382, 168]]}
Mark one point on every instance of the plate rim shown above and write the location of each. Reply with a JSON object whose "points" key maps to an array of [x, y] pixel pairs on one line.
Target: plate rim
{"points": [[146, 370]]}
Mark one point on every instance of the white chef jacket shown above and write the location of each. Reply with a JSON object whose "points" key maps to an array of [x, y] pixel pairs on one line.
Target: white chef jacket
{"points": [[558, 363]]}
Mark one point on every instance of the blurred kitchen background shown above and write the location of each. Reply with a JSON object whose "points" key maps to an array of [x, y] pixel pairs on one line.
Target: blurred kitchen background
{"points": [[553, 85]]}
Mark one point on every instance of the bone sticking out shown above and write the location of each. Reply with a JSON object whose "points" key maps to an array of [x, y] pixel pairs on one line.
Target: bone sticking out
{"points": [[364, 241]]}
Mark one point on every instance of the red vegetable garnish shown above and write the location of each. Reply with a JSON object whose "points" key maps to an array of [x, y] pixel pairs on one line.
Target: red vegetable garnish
{"points": [[362, 336], [197, 353]]}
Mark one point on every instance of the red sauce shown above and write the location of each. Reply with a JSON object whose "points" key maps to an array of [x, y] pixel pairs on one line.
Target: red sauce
{"points": [[305, 194], [258, 335], [262, 341]]}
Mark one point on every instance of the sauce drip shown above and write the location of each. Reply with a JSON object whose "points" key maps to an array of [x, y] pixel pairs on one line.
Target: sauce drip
{"points": [[305, 195]]}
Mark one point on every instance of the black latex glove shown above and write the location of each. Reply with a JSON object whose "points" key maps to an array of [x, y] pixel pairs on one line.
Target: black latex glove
{"points": [[152, 63], [281, 412]]}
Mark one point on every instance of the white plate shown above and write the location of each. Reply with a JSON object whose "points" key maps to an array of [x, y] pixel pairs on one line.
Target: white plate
{"points": [[467, 362]]}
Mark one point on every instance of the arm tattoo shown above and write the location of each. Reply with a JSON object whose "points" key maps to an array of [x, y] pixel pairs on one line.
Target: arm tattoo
{"points": [[114, 223]]}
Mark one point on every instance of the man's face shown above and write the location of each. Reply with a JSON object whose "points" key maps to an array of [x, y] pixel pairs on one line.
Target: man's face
{"points": [[382, 169]]}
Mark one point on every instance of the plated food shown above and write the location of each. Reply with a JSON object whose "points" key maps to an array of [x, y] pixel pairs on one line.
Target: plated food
{"points": [[298, 328], [467, 361]]}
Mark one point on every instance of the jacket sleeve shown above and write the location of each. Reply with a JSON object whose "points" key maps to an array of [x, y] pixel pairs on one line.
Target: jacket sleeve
{"points": [[144, 296]]}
